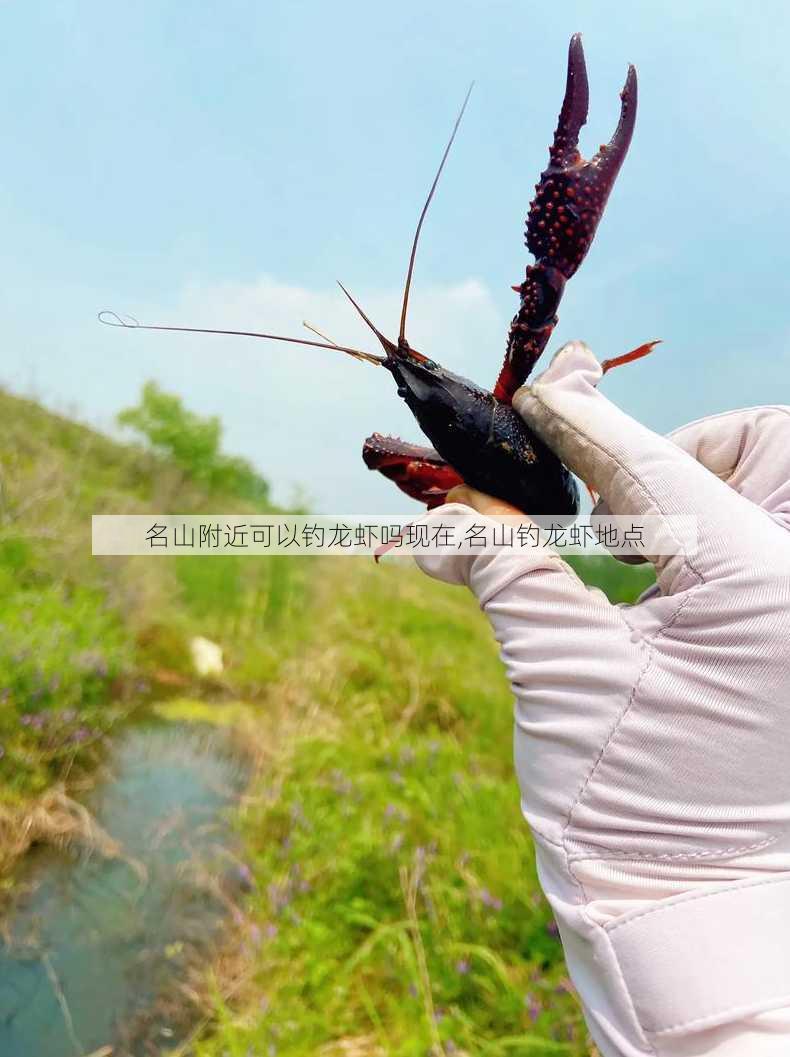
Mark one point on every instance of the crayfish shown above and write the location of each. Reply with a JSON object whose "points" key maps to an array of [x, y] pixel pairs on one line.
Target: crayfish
{"points": [[477, 436]]}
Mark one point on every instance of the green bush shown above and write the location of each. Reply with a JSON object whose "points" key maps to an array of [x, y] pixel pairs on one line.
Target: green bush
{"points": [[193, 444]]}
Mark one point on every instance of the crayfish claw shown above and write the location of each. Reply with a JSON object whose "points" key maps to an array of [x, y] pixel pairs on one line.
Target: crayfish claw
{"points": [[563, 217], [572, 193], [564, 151], [610, 156], [419, 472]]}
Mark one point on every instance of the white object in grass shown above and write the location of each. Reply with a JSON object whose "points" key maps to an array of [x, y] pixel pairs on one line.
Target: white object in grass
{"points": [[206, 656]]}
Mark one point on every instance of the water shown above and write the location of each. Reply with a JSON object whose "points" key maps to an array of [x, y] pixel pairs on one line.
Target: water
{"points": [[95, 944]]}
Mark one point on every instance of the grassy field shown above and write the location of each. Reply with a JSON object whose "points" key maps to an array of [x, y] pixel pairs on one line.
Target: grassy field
{"points": [[86, 641], [393, 906]]}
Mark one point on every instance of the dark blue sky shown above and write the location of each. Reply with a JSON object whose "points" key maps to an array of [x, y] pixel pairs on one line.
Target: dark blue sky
{"points": [[222, 164]]}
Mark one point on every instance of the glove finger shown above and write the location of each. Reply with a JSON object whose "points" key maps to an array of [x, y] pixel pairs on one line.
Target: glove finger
{"points": [[488, 573], [638, 472], [748, 449]]}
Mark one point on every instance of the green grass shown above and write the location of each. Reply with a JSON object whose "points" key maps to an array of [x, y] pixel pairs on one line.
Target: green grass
{"points": [[84, 640], [622, 583], [397, 909], [61, 650]]}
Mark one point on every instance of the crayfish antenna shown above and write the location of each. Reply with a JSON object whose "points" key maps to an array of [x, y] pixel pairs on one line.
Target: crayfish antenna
{"points": [[333, 344], [413, 255], [386, 344], [315, 330], [112, 319]]}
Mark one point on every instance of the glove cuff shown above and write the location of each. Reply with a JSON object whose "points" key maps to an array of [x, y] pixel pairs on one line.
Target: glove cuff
{"points": [[708, 958]]}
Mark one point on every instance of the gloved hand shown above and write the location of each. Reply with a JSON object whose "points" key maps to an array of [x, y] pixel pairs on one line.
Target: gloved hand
{"points": [[652, 742]]}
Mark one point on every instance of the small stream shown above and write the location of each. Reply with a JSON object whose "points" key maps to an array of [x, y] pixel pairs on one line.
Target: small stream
{"points": [[95, 946]]}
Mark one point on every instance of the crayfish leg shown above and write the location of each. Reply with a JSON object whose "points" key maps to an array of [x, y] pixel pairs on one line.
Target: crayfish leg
{"points": [[629, 357]]}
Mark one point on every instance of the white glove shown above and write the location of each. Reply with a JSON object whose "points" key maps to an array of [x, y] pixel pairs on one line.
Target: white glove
{"points": [[652, 742]]}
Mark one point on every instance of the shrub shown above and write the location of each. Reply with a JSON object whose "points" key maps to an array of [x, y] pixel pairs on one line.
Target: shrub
{"points": [[193, 444]]}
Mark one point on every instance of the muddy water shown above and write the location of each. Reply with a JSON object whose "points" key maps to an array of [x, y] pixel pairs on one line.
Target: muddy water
{"points": [[96, 947]]}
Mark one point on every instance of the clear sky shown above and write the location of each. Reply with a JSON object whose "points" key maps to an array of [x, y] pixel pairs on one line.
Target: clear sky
{"points": [[224, 163]]}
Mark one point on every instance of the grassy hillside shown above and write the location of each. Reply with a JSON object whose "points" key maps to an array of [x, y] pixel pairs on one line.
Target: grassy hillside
{"points": [[84, 639], [393, 906]]}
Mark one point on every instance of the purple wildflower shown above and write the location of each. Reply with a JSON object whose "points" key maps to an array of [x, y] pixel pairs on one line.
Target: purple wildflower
{"points": [[488, 900], [246, 879], [279, 896], [533, 1007]]}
